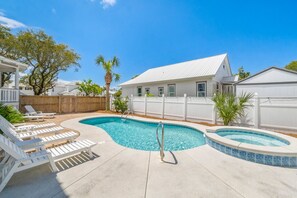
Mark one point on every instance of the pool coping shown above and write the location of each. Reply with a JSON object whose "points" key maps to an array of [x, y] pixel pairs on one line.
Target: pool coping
{"points": [[286, 150]]}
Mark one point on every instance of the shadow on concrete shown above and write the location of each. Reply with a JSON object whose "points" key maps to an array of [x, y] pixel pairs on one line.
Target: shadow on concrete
{"points": [[74, 161], [40, 181], [175, 162]]}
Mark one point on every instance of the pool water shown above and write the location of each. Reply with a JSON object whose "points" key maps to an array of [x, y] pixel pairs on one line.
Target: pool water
{"points": [[251, 137], [142, 135]]}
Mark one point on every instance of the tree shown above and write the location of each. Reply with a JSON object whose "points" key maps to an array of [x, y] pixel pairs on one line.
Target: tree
{"points": [[5, 78], [243, 74], [8, 50], [292, 66], [89, 88], [108, 66], [46, 59], [229, 107]]}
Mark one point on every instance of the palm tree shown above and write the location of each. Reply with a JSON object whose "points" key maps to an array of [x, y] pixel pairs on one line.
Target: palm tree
{"points": [[108, 66], [229, 107]]}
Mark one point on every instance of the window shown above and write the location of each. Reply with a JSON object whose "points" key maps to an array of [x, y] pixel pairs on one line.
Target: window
{"points": [[139, 91], [147, 90], [171, 90], [201, 89], [218, 88], [160, 91]]}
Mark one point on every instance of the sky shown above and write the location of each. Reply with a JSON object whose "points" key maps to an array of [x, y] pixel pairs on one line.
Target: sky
{"points": [[149, 33]]}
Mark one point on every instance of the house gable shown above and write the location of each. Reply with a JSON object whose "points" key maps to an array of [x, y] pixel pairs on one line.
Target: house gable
{"points": [[270, 76], [223, 71]]}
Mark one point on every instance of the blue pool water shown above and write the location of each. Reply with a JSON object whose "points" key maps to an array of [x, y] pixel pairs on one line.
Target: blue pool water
{"points": [[142, 135], [251, 137]]}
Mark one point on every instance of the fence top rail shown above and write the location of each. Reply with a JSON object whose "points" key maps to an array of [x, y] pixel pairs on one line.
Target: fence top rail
{"points": [[11, 89], [64, 96], [279, 97]]}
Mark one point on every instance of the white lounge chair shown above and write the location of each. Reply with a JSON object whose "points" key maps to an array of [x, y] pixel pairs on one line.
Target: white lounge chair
{"points": [[30, 144], [16, 159], [32, 126], [29, 134], [29, 127], [36, 133], [31, 117], [31, 111], [34, 117]]}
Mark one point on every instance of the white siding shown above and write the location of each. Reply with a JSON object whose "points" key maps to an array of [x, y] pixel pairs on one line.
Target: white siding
{"points": [[182, 87], [223, 71], [272, 75], [269, 90]]}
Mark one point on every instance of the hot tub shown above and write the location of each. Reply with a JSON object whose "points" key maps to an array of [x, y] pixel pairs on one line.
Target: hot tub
{"points": [[255, 145]]}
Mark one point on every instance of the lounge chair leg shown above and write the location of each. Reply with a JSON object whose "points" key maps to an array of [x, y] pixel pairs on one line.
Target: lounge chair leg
{"points": [[8, 176], [90, 153], [52, 163]]}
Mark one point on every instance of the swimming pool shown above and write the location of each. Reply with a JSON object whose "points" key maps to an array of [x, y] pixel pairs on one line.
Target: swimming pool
{"points": [[142, 135], [251, 137]]}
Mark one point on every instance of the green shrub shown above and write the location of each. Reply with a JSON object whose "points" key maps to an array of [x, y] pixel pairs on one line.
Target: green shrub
{"points": [[150, 95], [120, 105], [229, 107], [11, 114]]}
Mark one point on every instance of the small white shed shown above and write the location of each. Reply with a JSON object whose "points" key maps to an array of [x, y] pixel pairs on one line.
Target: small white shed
{"points": [[272, 82]]}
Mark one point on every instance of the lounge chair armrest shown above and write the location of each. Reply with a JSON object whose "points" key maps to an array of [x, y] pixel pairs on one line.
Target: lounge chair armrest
{"points": [[39, 112], [26, 127], [31, 144], [19, 124]]}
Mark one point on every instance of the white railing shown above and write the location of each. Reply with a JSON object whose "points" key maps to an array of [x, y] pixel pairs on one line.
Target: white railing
{"points": [[261, 112], [9, 95]]}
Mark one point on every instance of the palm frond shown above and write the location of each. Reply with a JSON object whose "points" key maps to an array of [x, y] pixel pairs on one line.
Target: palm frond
{"points": [[115, 61], [116, 77]]}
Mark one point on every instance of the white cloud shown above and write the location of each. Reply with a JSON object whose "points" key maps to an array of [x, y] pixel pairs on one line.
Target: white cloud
{"points": [[54, 11], [107, 3], [10, 23]]}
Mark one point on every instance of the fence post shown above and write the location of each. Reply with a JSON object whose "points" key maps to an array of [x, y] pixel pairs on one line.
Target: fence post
{"points": [[256, 110], [59, 104], [185, 107], [110, 103], [163, 106], [214, 113], [131, 104], [145, 104]]}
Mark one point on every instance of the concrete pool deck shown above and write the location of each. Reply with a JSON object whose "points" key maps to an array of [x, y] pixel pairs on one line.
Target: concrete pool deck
{"points": [[117, 171]]}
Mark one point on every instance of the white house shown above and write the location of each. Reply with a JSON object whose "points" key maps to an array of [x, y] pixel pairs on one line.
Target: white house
{"points": [[69, 88], [65, 88], [201, 78], [11, 95], [271, 82]]}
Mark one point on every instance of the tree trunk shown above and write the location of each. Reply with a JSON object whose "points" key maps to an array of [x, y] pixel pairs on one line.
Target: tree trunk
{"points": [[107, 97], [108, 79]]}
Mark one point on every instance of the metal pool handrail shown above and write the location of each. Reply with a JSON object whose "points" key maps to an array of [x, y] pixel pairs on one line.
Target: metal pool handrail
{"points": [[125, 114], [161, 144]]}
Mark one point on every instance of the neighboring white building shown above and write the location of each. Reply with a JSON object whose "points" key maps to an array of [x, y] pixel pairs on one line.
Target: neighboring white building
{"points": [[64, 88], [201, 78], [272, 82], [69, 88], [11, 95]]}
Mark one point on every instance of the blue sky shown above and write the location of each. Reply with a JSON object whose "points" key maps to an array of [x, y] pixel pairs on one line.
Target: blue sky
{"points": [[151, 33]]}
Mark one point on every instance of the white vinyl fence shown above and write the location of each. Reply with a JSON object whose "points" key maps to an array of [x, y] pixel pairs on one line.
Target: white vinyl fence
{"points": [[262, 112]]}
